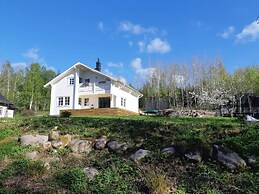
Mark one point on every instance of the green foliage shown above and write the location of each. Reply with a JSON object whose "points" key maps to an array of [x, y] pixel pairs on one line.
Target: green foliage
{"points": [[26, 113], [65, 114], [72, 179], [12, 149]]}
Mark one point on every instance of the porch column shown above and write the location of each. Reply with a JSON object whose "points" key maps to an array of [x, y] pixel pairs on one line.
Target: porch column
{"points": [[76, 88]]}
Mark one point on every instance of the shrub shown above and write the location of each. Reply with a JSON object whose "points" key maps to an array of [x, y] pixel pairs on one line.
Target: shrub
{"points": [[27, 113], [72, 179], [156, 182], [65, 114]]}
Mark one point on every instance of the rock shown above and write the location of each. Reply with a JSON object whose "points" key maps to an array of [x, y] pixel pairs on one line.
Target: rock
{"points": [[32, 155], [228, 158], [90, 172], [169, 150], [114, 146], [63, 141], [53, 135], [139, 155], [49, 159], [33, 139], [194, 157], [47, 145], [80, 146], [100, 143], [46, 165], [251, 160]]}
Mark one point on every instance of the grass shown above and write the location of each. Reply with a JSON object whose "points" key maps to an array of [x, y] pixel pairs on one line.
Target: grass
{"points": [[120, 175]]}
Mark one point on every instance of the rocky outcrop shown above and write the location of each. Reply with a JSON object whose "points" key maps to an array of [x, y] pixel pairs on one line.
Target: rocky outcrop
{"points": [[63, 141], [80, 146], [139, 155], [228, 158], [33, 139], [53, 135]]}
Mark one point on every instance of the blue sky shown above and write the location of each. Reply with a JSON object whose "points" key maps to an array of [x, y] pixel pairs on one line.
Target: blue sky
{"points": [[129, 37]]}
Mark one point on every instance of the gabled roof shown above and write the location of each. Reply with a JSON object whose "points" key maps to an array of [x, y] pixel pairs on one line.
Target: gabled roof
{"points": [[5, 102], [77, 65]]}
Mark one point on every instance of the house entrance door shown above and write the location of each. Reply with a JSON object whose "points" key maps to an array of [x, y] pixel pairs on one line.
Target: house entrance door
{"points": [[104, 102]]}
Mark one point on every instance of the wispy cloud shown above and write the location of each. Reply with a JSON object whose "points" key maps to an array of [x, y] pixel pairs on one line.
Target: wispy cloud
{"points": [[227, 32], [111, 64], [141, 73], [130, 43], [19, 65], [119, 78], [32, 53], [136, 29], [101, 26], [155, 46], [250, 33]]}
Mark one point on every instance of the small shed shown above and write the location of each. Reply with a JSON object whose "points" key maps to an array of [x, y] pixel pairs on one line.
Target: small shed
{"points": [[6, 107]]}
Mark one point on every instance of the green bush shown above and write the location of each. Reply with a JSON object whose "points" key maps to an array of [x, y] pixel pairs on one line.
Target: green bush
{"points": [[72, 179], [65, 114], [27, 113]]}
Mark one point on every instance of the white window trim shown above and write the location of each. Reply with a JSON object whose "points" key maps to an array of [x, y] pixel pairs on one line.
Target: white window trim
{"points": [[69, 80], [123, 102], [86, 104], [63, 101]]}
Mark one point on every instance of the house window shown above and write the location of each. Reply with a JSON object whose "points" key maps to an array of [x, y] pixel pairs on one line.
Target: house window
{"points": [[80, 101], [71, 81], [87, 81], [80, 80], [121, 101], [67, 101], [1, 110], [124, 102], [60, 101], [86, 102]]}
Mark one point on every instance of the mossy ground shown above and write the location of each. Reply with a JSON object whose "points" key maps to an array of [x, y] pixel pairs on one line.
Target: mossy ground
{"points": [[117, 173]]}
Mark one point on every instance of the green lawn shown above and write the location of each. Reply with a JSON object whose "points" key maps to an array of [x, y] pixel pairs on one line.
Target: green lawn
{"points": [[120, 175]]}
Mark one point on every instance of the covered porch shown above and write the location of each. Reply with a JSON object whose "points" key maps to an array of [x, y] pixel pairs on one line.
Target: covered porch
{"points": [[96, 101]]}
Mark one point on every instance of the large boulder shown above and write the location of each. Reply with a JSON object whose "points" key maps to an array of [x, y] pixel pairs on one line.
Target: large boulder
{"points": [[228, 158], [139, 155], [80, 146], [100, 143], [90, 172], [117, 147], [33, 139]]}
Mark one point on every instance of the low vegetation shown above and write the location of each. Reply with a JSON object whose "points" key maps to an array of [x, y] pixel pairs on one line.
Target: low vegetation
{"points": [[157, 173]]}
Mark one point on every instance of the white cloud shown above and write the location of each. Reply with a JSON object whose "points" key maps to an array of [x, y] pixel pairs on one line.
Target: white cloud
{"points": [[249, 33], [137, 29], [111, 64], [155, 46], [141, 73], [19, 65], [227, 32], [32, 53], [101, 26], [119, 78]]}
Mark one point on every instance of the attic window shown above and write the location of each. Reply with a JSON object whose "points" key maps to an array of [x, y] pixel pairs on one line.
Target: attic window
{"points": [[71, 81]]}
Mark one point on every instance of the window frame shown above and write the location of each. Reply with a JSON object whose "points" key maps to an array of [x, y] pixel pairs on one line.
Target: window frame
{"points": [[71, 81], [67, 100], [60, 101], [86, 101]]}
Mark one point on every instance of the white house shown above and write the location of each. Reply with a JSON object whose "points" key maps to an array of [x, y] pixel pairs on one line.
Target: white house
{"points": [[81, 87], [6, 107]]}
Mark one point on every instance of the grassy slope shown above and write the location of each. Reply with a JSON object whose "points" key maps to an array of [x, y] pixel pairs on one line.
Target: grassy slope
{"points": [[118, 174]]}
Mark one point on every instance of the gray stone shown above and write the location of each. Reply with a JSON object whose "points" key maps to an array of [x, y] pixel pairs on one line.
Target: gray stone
{"points": [[90, 172], [228, 158], [100, 143], [80, 146], [53, 135], [32, 155], [194, 156], [47, 145], [57, 144], [49, 159], [139, 155], [251, 160], [169, 150], [33, 139], [114, 146]]}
